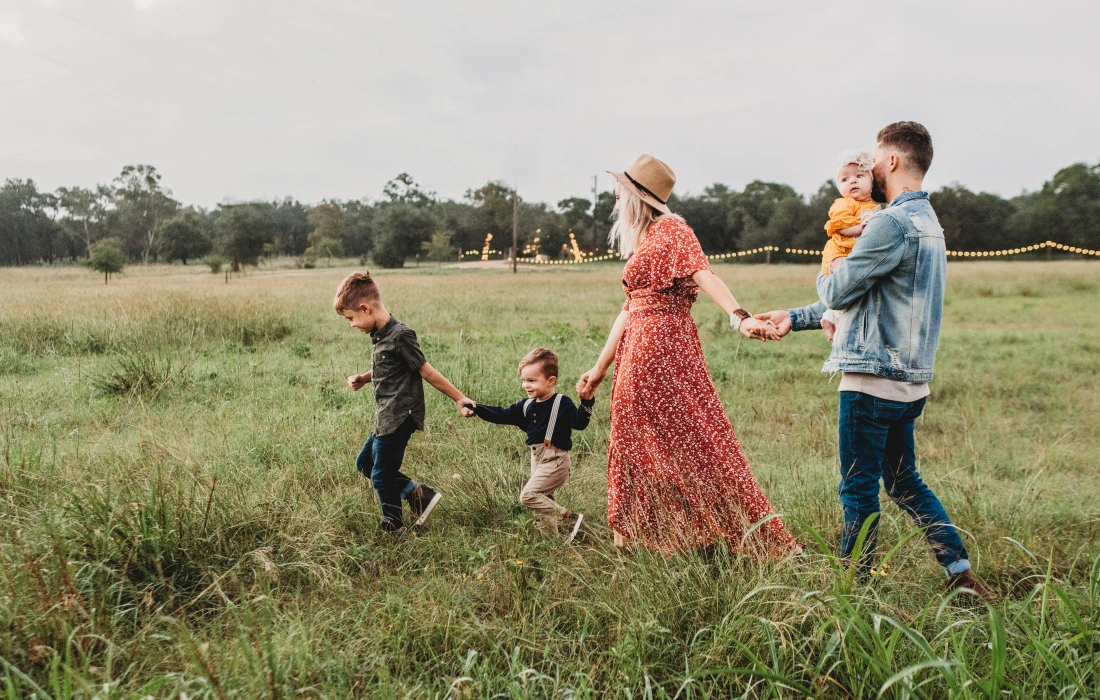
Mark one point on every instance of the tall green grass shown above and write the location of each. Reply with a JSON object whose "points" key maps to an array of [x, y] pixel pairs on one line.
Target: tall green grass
{"points": [[179, 513]]}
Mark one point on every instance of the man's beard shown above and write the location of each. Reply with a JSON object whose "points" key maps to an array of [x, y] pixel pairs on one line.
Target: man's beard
{"points": [[878, 194]]}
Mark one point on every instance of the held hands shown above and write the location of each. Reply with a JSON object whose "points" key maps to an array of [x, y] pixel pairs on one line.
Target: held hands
{"points": [[759, 329], [589, 381], [358, 381], [780, 321], [466, 407], [829, 328]]}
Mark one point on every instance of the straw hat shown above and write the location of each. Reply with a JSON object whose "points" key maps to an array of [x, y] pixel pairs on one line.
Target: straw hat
{"points": [[650, 179]]}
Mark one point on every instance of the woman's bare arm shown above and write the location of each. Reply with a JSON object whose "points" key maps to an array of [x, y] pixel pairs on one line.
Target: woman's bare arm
{"points": [[717, 290], [595, 376]]}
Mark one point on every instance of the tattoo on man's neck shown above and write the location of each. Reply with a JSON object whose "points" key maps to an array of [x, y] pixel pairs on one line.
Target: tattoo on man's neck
{"points": [[906, 189]]}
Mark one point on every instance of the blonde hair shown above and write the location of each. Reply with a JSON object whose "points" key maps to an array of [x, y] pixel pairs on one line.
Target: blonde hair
{"points": [[863, 160], [632, 219]]}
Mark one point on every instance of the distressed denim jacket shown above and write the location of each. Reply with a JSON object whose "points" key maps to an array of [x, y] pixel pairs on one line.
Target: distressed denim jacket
{"points": [[891, 292]]}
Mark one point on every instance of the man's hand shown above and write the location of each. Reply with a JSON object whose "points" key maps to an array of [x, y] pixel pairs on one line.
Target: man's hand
{"points": [[466, 406], [780, 319], [358, 381], [760, 330], [829, 328]]}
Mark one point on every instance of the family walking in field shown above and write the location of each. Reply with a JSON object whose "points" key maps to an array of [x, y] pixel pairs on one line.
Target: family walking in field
{"points": [[678, 479]]}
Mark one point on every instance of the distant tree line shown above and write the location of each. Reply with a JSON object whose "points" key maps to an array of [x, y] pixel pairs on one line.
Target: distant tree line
{"points": [[145, 223]]}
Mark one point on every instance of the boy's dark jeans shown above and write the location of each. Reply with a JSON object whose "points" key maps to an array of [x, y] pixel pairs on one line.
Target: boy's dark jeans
{"points": [[380, 459], [876, 442]]}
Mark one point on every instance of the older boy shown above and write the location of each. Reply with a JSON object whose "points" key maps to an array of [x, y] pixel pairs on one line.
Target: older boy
{"points": [[549, 420], [397, 368]]}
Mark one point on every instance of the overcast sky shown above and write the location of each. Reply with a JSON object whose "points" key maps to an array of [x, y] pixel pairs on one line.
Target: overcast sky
{"points": [[322, 99]]}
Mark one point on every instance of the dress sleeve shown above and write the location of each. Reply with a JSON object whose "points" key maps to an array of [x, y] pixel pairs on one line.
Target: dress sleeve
{"points": [[676, 255], [843, 214]]}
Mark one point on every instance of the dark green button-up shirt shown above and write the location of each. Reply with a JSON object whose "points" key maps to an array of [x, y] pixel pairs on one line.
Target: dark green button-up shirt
{"points": [[396, 359]]}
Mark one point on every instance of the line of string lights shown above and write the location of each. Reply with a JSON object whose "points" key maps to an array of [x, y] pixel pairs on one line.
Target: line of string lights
{"points": [[613, 254], [986, 253], [610, 255]]}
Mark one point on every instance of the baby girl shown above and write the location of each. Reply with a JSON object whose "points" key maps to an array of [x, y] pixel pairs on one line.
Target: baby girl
{"points": [[847, 217]]}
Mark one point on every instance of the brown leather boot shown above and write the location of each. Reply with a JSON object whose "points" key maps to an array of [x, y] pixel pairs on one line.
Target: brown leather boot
{"points": [[970, 582]]}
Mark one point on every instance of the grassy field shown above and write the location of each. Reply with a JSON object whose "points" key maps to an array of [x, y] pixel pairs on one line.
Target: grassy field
{"points": [[180, 515]]}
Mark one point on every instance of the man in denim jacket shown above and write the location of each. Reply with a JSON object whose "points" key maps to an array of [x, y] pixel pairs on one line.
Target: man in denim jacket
{"points": [[892, 288]]}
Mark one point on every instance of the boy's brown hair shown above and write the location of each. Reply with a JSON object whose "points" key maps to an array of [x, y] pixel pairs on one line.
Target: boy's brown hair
{"points": [[357, 288], [545, 359], [912, 139]]}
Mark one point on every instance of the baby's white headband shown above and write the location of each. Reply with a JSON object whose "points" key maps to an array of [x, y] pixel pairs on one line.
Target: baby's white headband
{"points": [[854, 156]]}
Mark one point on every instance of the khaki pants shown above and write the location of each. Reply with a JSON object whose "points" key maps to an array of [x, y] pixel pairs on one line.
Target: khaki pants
{"points": [[549, 470]]}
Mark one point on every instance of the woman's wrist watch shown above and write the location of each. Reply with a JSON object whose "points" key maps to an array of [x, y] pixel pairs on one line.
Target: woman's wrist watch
{"points": [[737, 317]]}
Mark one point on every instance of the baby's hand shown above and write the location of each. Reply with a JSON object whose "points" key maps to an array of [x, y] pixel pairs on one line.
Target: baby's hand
{"points": [[586, 394], [466, 407], [835, 264], [829, 328]]}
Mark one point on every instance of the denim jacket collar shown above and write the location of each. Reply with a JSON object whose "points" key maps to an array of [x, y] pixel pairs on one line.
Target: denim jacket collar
{"points": [[906, 196]]}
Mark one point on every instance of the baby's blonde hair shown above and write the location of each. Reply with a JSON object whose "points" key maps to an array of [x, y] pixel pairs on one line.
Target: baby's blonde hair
{"points": [[864, 160]]}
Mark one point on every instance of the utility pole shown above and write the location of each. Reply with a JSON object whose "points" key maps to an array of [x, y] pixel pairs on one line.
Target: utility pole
{"points": [[515, 229], [595, 198]]}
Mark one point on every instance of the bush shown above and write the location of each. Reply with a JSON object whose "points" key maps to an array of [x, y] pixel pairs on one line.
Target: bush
{"points": [[107, 257], [215, 262], [136, 373]]}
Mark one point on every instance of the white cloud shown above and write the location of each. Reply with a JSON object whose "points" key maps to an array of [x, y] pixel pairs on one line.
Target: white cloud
{"points": [[144, 5], [10, 30]]}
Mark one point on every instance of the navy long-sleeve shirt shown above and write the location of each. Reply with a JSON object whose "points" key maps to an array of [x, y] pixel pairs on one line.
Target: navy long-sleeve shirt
{"points": [[570, 418]]}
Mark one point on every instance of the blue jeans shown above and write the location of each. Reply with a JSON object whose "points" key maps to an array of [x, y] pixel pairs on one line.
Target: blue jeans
{"points": [[380, 459], [876, 442]]}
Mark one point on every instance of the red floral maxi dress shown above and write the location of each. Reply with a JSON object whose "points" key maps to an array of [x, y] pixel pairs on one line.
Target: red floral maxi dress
{"points": [[677, 478]]}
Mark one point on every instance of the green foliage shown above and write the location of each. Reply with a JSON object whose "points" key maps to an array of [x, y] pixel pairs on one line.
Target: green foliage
{"points": [[1070, 205], [221, 544], [326, 238], [399, 231], [107, 257], [87, 211], [142, 206], [184, 237], [972, 221], [214, 261], [28, 233], [439, 248], [137, 209], [243, 232]]}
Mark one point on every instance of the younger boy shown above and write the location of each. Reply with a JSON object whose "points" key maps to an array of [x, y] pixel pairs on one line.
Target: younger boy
{"points": [[397, 368], [549, 419]]}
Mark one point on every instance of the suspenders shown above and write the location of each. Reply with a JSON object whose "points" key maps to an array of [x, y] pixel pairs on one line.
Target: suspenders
{"points": [[553, 417]]}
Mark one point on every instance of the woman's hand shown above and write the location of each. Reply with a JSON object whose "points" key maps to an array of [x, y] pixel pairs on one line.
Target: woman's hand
{"points": [[760, 330], [589, 381]]}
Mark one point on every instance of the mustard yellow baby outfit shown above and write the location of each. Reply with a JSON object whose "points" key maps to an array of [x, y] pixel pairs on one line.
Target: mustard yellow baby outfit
{"points": [[845, 213]]}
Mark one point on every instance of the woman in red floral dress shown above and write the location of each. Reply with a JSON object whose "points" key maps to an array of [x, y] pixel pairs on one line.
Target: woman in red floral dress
{"points": [[677, 478]]}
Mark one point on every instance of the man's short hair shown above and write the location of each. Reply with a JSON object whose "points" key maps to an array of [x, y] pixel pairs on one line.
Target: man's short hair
{"points": [[913, 140], [357, 288], [545, 359]]}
